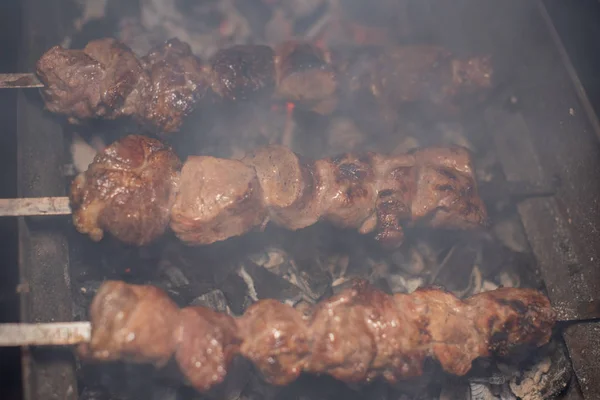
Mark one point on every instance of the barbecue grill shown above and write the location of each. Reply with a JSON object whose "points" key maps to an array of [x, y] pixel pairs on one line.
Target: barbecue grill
{"points": [[539, 120]]}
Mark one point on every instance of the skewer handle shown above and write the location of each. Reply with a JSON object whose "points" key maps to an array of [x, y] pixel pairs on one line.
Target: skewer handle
{"points": [[34, 206], [45, 334], [19, 81]]}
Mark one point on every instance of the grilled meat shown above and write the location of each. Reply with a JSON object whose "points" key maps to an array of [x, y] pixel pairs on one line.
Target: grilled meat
{"points": [[105, 80], [243, 72], [217, 199], [128, 190], [178, 82], [358, 335], [424, 75]]}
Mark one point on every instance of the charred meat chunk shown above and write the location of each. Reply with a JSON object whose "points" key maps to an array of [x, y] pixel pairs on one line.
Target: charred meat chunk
{"points": [[128, 190], [243, 72], [178, 83], [104, 80], [217, 199], [304, 75], [131, 322]]}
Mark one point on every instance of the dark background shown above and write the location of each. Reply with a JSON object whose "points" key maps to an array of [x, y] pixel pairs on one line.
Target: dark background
{"points": [[578, 23]]}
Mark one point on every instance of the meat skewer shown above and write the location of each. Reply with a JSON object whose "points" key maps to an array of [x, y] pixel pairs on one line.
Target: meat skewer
{"points": [[355, 336], [107, 80], [137, 186]]}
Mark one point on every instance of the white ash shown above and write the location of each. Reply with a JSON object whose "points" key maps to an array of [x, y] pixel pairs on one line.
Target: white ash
{"points": [[480, 391], [82, 152], [507, 279], [529, 386]]}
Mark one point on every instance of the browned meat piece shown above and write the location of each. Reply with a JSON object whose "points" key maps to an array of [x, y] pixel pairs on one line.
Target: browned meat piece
{"points": [[206, 343], [357, 335], [289, 184], [276, 340], [133, 323], [103, 80], [127, 191], [217, 199], [304, 75], [243, 72], [444, 191], [427, 75], [178, 82], [350, 190]]}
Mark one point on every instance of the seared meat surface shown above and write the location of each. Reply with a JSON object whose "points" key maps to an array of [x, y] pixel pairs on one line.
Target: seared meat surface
{"points": [[243, 72], [106, 80], [127, 191], [178, 82], [132, 323], [217, 199], [355, 336]]}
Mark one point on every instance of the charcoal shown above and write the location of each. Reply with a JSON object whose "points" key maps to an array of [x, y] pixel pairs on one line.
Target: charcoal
{"points": [[89, 288], [509, 231], [457, 390], [312, 279], [321, 388], [455, 273], [400, 284], [411, 260], [94, 394], [165, 393], [214, 299], [479, 391], [236, 293], [110, 379], [548, 376], [337, 266], [264, 284], [173, 274], [238, 377], [272, 258]]}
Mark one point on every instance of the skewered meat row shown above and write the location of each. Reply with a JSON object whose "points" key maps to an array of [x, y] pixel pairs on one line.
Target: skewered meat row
{"points": [[134, 189], [107, 80], [356, 336]]}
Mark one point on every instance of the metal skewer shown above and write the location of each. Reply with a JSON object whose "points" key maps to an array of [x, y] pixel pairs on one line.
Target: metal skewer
{"points": [[33, 206], [19, 81], [45, 334]]}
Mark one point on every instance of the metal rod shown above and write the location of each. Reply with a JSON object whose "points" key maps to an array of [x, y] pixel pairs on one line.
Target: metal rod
{"points": [[34, 206], [16, 81], [45, 334]]}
